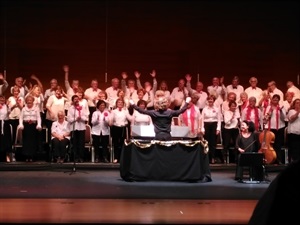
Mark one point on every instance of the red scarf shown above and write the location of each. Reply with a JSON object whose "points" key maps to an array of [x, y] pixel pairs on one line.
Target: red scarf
{"points": [[265, 105], [249, 109], [277, 116], [243, 106], [192, 117], [79, 108]]}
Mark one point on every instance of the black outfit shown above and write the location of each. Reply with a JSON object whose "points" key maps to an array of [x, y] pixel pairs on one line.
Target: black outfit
{"points": [[101, 141], [77, 140], [5, 139], [162, 120], [31, 141], [60, 147], [250, 144], [211, 136], [278, 143], [118, 134], [294, 147]]}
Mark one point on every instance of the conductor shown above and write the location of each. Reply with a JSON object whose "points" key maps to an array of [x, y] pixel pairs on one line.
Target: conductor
{"points": [[162, 116]]}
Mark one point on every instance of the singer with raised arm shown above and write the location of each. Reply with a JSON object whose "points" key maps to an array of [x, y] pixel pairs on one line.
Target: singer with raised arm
{"points": [[162, 116]]}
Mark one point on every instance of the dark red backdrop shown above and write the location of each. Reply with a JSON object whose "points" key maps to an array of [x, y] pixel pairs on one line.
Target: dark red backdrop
{"points": [[209, 38]]}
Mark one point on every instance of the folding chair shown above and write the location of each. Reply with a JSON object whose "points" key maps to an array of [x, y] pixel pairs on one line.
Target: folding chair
{"points": [[88, 143]]}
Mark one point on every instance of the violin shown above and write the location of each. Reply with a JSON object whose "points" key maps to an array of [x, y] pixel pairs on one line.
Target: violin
{"points": [[267, 139]]}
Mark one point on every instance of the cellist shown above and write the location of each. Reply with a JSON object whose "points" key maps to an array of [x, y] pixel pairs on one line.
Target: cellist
{"points": [[275, 122]]}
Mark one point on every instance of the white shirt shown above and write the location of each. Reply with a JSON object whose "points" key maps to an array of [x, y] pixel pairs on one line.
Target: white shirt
{"points": [[100, 122], [72, 116], [211, 114], [178, 96], [60, 128], [112, 95], [30, 114], [140, 119], [254, 92], [91, 95], [293, 127], [15, 113], [55, 105], [120, 118]]}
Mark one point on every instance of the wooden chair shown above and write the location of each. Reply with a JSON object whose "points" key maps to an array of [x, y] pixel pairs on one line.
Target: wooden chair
{"points": [[88, 143]]}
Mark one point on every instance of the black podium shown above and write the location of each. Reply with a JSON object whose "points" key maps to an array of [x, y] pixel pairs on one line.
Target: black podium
{"points": [[164, 161], [254, 161]]}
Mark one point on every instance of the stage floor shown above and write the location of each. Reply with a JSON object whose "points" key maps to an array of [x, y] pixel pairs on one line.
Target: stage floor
{"points": [[55, 194]]}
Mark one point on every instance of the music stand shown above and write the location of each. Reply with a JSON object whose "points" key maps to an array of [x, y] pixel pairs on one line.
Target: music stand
{"points": [[251, 160]]}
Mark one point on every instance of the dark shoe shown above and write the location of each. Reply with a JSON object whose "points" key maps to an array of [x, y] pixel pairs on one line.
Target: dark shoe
{"points": [[238, 179], [206, 179]]}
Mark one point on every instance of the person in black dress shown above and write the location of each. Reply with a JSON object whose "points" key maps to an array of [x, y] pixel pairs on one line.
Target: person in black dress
{"points": [[247, 141], [162, 117]]}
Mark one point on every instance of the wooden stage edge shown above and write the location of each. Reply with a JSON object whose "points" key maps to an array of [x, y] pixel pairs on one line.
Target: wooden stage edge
{"points": [[126, 211]]}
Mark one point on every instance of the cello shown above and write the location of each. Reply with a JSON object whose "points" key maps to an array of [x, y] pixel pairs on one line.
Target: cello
{"points": [[267, 139]]}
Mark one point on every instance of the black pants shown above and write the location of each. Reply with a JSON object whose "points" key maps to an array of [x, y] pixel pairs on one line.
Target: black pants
{"points": [[118, 135]]}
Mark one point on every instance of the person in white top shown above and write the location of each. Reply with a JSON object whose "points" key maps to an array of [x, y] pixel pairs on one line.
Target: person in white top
{"points": [[235, 87], [70, 88], [231, 131], [163, 86], [130, 89], [287, 103], [83, 102], [254, 114], [293, 89], [50, 91], [211, 125], [36, 92], [254, 90], [60, 136], [179, 94], [5, 132], [101, 132], [77, 117], [140, 118], [244, 101], [91, 95], [121, 94], [20, 83], [119, 121], [112, 92], [192, 118], [272, 90], [15, 104], [31, 124], [148, 87], [275, 121], [202, 95], [218, 89], [55, 104], [293, 130]]}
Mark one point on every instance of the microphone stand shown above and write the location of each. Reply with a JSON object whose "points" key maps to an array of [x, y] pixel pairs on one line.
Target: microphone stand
{"points": [[71, 145]]}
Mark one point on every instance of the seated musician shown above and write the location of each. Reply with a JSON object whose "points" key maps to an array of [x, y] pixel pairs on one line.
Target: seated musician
{"points": [[247, 141]]}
